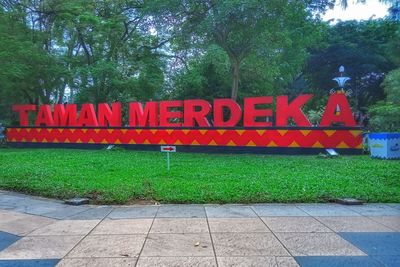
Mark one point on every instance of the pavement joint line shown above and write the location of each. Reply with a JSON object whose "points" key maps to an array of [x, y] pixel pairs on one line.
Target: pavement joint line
{"points": [[365, 216], [90, 258], [276, 261], [337, 234], [273, 233], [44, 215], [212, 241], [30, 197], [100, 221], [356, 211], [89, 207], [67, 217], [197, 256], [52, 235], [372, 204], [28, 233], [135, 234], [147, 236], [297, 206], [339, 205], [372, 219], [315, 218]]}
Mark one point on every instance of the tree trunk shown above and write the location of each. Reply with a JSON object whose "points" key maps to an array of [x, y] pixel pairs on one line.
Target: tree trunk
{"points": [[235, 79], [61, 94]]}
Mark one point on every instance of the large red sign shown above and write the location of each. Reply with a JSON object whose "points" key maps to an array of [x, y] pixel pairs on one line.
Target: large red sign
{"points": [[192, 123], [189, 113]]}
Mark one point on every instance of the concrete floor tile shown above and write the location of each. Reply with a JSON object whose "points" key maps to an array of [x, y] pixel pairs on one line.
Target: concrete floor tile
{"points": [[14, 202], [179, 225], [66, 227], [29, 263], [353, 224], [394, 205], [98, 246], [274, 210], [257, 261], [7, 216], [133, 212], [317, 244], [7, 239], [295, 224], [93, 213], [247, 244], [388, 261], [6, 206], [229, 211], [338, 261], [392, 222], [39, 207], [246, 261], [327, 210], [377, 244], [376, 210], [237, 225], [97, 262], [123, 226], [178, 245], [40, 247], [176, 261], [22, 224], [286, 262], [65, 211], [10, 194], [181, 211]]}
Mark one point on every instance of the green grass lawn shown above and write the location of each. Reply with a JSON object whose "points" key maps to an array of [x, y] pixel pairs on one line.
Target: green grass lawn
{"points": [[122, 176]]}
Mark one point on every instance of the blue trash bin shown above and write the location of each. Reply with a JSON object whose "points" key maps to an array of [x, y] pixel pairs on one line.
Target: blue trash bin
{"points": [[384, 145]]}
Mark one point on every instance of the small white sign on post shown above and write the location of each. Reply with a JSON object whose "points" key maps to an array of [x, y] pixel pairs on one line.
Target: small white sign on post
{"points": [[168, 149]]}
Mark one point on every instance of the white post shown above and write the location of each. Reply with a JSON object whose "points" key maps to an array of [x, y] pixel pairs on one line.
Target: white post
{"points": [[167, 160]]}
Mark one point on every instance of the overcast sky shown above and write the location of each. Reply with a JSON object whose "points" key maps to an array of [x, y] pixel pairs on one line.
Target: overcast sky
{"points": [[358, 11]]}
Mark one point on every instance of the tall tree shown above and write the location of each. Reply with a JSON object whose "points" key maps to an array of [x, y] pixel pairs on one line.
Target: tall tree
{"points": [[345, 3], [362, 47], [267, 30], [104, 48], [28, 73]]}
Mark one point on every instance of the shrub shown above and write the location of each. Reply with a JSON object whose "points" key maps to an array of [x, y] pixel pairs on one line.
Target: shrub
{"points": [[385, 117]]}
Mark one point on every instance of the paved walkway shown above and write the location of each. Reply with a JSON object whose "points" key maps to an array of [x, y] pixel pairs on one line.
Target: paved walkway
{"points": [[42, 232]]}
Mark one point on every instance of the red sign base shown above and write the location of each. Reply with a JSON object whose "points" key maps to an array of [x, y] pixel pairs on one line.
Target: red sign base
{"points": [[273, 139]]}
